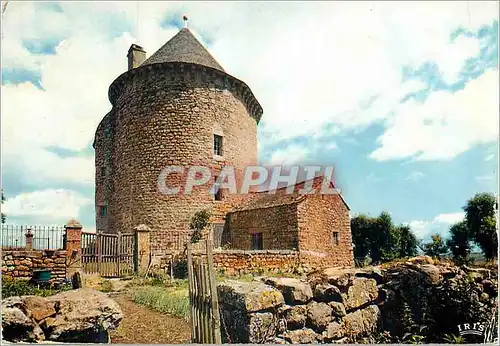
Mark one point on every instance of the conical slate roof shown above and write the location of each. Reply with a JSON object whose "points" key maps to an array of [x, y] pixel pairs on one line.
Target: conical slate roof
{"points": [[183, 47]]}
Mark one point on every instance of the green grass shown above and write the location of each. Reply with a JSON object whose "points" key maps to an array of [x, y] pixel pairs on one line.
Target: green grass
{"points": [[171, 300]]}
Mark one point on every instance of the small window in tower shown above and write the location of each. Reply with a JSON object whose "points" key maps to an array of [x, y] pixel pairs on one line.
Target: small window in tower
{"points": [[335, 238], [103, 210], [103, 171], [257, 241], [218, 145]]}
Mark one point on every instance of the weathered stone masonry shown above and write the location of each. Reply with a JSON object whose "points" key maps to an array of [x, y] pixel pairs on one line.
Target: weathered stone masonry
{"points": [[19, 264], [305, 223], [165, 112]]}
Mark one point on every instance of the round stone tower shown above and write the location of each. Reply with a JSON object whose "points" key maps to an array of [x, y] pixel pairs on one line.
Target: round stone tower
{"points": [[171, 109]]}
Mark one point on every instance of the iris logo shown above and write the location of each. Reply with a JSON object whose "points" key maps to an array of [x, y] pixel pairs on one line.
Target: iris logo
{"points": [[471, 329]]}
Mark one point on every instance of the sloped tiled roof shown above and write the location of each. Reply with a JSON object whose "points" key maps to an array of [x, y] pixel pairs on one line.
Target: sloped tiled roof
{"points": [[266, 200], [183, 47]]}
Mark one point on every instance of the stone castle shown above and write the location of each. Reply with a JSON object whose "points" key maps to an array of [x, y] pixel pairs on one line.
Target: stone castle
{"points": [[179, 107]]}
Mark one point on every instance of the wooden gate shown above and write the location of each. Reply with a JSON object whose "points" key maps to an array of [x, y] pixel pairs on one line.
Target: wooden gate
{"points": [[204, 314], [109, 255]]}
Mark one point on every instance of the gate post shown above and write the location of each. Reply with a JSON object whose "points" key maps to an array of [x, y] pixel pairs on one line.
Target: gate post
{"points": [[73, 247], [142, 248]]}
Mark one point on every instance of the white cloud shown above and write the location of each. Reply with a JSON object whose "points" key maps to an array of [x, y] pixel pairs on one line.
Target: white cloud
{"points": [[489, 157], [414, 176], [57, 205], [423, 229], [289, 155], [484, 177], [449, 218], [445, 125]]}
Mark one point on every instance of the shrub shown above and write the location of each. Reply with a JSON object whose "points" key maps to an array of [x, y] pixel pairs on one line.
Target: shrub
{"points": [[106, 286], [180, 269]]}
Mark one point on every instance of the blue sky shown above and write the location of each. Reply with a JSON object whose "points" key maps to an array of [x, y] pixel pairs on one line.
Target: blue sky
{"points": [[401, 97]]}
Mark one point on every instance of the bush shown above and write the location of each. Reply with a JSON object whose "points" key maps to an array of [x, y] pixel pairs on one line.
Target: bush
{"points": [[180, 269], [14, 287], [171, 301], [106, 286]]}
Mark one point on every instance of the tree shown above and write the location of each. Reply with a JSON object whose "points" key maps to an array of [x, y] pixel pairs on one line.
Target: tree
{"points": [[198, 223], [459, 242], [408, 242], [4, 217], [361, 227], [380, 239], [382, 243], [436, 247], [481, 222]]}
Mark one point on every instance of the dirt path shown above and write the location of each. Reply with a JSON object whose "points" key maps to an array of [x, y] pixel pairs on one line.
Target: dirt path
{"points": [[141, 325]]}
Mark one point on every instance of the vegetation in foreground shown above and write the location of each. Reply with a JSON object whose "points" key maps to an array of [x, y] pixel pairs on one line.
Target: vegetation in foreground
{"points": [[16, 287], [170, 300]]}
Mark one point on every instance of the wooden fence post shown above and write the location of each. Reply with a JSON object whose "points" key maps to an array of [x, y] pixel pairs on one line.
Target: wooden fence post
{"points": [[142, 246], [191, 293], [119, 253], [213, 295]]}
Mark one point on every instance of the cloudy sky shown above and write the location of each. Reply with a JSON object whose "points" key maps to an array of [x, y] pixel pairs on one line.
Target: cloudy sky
{"points": [[401, 97]]}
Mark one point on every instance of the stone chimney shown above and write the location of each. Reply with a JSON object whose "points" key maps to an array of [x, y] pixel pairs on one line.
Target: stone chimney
{"points": [[136, 56]]}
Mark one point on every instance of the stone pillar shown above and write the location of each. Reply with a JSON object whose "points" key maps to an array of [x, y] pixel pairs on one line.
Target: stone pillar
{"points": [[142, 251], [29, 239], [73, 247]]}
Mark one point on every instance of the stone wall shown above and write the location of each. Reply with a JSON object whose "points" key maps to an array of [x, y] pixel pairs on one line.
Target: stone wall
{"points": [[166, 115], [288, 310], [240, 262], [19, 264], [278, 226], [393, 304]]}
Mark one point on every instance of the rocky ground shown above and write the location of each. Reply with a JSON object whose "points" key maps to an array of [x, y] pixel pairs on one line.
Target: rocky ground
{"points": [[89, 316], [410, 301], [82, 316]]}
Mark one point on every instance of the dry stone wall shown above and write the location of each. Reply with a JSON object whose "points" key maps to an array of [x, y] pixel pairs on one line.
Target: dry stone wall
{"points": [[19, 264], [241, 262], [360, 305]]}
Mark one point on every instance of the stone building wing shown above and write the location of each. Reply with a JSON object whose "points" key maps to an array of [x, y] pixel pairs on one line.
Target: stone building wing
{"points": [[266, 200], [183, 47]]}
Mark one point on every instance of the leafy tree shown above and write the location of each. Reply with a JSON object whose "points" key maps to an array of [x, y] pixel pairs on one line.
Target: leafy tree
{"points": [[436, 247], [4, 217], [381, 246], [481, 222], [460, 242], [198, 223], [361, 227], [408, 242], [380, 239]]}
